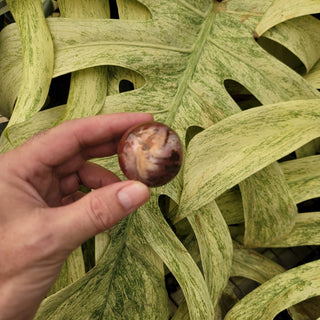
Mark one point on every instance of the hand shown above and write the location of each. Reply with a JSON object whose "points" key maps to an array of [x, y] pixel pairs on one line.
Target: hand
{"points": [[43, 217]]}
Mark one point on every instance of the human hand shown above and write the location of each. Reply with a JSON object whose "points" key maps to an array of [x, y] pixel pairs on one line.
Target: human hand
{"points": [[43, 217]]}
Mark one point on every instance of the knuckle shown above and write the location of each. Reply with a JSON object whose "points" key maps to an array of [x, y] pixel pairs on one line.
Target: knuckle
{"points": [[100, 214]]}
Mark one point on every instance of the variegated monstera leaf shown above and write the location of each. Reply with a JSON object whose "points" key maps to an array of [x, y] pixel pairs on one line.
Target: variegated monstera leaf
{"points": [[188, 61]]}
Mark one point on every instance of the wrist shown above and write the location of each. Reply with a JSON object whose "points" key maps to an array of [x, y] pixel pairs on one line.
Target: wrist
{"points": [[15, 304]]}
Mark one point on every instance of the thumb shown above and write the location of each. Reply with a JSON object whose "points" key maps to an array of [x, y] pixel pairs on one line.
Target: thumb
{"points": [[97, 211]]}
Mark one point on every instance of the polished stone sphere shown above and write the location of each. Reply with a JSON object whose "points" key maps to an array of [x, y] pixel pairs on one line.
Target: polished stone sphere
{"points": [[150, 152]]}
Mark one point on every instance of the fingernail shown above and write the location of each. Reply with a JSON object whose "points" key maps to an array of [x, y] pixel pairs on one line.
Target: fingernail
{"points": [[133, 195]]}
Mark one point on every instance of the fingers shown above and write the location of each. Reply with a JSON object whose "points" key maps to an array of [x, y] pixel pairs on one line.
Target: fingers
{"points": [[93, 136], [94, 176], [90, 175], [95, 212]]}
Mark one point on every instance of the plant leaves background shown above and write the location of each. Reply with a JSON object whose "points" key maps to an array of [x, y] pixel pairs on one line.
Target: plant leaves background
{"points": [[180, 62]]}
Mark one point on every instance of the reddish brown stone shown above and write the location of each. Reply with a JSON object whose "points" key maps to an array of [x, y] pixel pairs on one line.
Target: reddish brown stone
{"points": [[150, 152]]}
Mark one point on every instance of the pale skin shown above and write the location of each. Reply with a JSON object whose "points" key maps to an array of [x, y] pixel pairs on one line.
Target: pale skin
{"points": [[43, 216]]}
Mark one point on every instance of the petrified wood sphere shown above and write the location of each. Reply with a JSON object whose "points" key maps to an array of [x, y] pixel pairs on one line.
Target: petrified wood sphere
{"points": [[150, 152]]}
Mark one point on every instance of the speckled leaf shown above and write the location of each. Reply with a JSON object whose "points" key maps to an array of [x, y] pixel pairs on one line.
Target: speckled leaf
{"points": [[134, 44], [101, 243], [38, 59], [313, 77], [87, 87], [305, 232], [214, 240], [181, 57], [231, 207], [162, 239], [239, 150], [279, 293], [128, 283], [133, 10], [301, 36], [265, 223], [303, 177], [4, 9], [252, 265], [282, 10], [182, 312]]}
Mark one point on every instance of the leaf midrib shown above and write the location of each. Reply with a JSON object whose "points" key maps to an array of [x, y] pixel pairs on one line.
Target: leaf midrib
{"points": [[192, 64], [130, 44], [116, 263]]}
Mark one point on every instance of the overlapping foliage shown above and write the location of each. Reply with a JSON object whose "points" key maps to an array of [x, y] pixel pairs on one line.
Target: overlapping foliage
{"points": [[189, 60]]}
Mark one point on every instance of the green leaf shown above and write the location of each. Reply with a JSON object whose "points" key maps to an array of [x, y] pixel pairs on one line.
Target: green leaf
{"points": [[303, 177], [306, 231], [102, 241], [166, 244], [41, 121], [282, 10], [230, 205], [128, 283], [239, 149], [87, 87], [279, 293], [269, 213], [182, 312], [133, 10], [301, 36], [313, 77], [38, 59], [116, 42], [214, 240], [252, 265], [181, 58]]}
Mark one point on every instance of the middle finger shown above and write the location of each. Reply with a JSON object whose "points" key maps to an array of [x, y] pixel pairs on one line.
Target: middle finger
{"points": [[90, 175]]}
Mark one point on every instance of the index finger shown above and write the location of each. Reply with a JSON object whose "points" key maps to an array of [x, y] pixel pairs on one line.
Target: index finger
{"points": [[59, 144]]}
